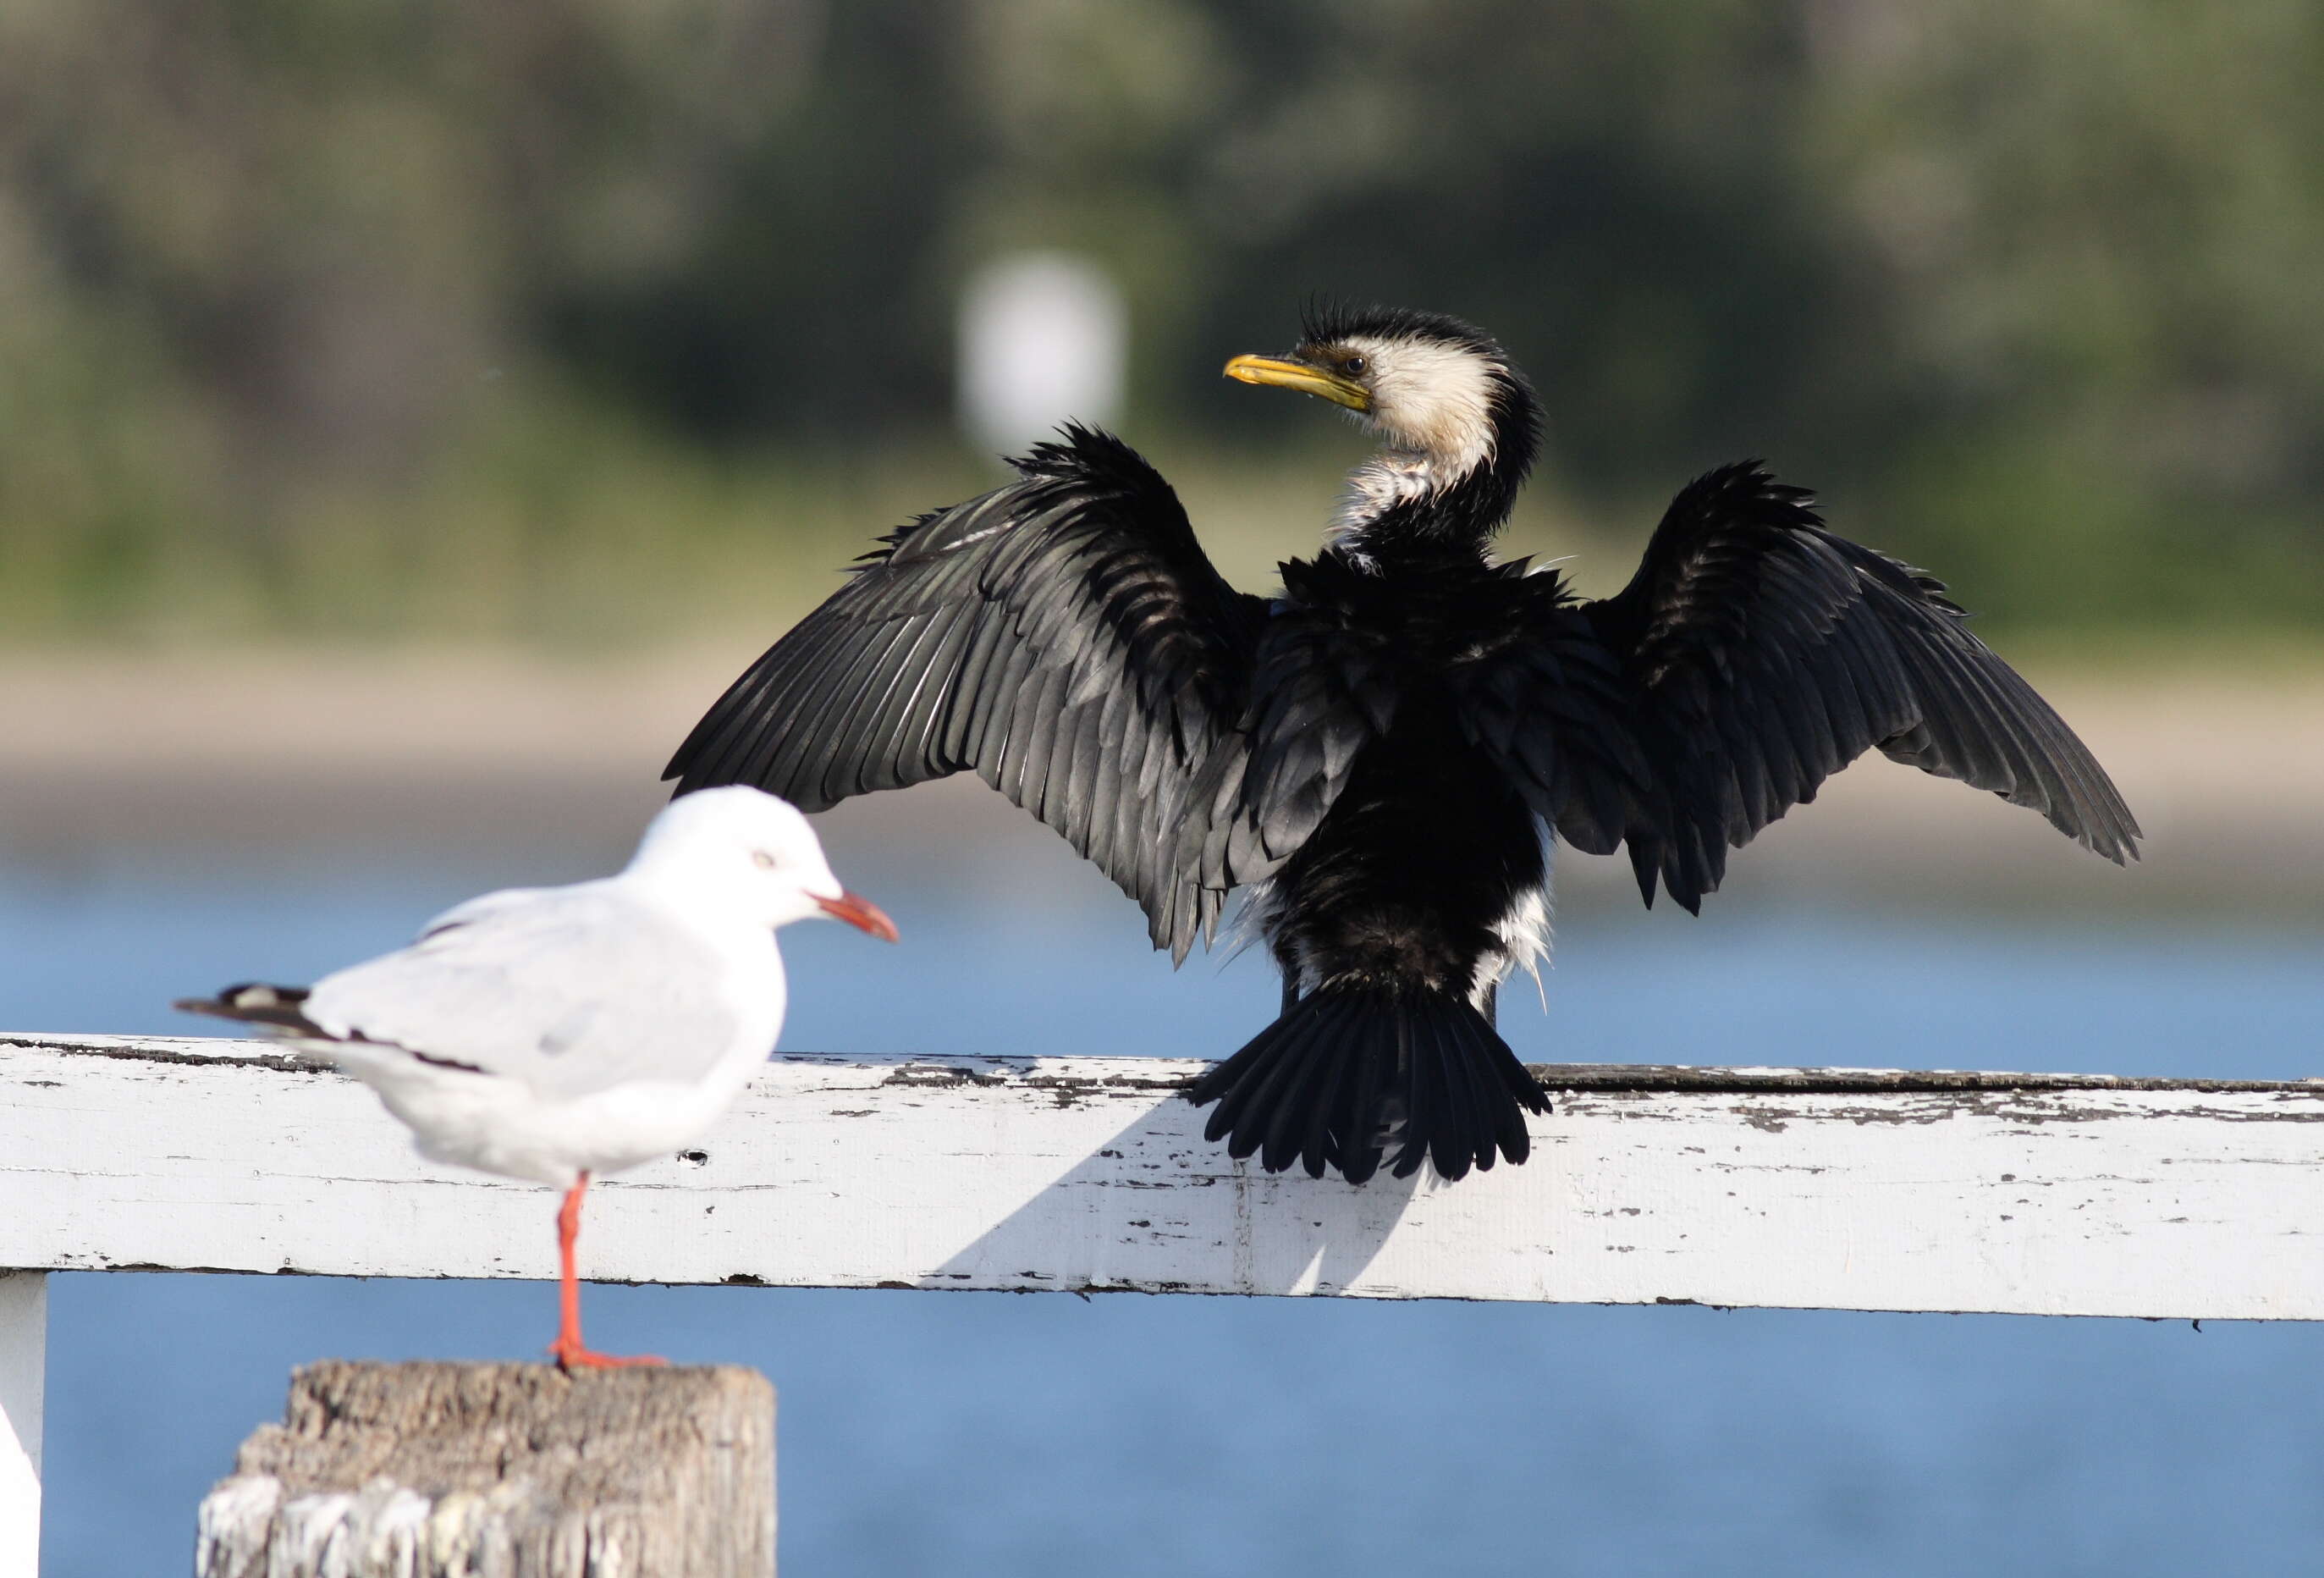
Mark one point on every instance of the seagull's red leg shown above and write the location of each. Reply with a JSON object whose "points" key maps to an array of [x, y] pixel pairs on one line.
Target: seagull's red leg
{"points": [[567, 1350]]}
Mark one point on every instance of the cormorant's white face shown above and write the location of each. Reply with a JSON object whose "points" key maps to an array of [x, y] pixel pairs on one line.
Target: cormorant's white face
{"points": [[1428, 399], [1424, 395], [1455, 420]]}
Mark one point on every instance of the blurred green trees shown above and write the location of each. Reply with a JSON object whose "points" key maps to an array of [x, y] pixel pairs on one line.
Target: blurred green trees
{"points": [[574, 316]]}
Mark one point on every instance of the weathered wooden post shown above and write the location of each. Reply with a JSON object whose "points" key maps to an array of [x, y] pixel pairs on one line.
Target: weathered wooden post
{"points": [[24, 1333], [502, 1470]]}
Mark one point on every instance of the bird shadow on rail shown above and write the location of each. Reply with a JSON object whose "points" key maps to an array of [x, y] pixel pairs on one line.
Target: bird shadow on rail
{"points": [[1156, 1208]]}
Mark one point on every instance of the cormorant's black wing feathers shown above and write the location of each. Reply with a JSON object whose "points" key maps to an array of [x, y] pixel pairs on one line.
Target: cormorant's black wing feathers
{"points": [[1325, 684], [1065, 636], [1541, 696], [1767, 653]]}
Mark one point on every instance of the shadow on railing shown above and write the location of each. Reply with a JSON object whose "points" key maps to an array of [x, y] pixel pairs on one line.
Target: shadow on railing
{"points": [[1158, 1178]]}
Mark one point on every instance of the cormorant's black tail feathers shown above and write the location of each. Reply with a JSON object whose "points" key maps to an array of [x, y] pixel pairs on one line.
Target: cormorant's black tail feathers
{"points": [[1350, 1076]]}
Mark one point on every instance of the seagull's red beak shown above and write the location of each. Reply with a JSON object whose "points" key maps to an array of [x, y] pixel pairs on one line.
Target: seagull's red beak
{"points": [[861, 913]]}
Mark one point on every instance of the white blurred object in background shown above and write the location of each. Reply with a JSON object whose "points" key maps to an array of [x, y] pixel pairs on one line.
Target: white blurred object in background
{"points": [[1044, 336]]}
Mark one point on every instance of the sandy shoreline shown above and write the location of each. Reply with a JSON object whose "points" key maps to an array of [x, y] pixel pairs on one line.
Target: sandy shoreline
{"points": [[280, 757]]}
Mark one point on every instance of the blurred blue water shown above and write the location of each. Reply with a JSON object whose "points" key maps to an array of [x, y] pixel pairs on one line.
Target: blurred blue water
{"points": [[951, 1433]]}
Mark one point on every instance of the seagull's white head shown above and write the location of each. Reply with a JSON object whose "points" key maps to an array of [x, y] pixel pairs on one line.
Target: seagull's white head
{"points": [[742, 849]]}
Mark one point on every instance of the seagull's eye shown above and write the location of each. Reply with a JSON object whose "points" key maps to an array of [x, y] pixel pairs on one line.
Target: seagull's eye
{"points": [[762, 860], [1352, 365]]}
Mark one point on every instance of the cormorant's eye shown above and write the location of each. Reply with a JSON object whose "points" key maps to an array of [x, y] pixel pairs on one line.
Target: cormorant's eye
{"points": [[1352, 365]]}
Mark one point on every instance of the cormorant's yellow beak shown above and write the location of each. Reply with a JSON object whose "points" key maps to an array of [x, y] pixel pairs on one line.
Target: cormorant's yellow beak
{"points": [[1299, 375]]}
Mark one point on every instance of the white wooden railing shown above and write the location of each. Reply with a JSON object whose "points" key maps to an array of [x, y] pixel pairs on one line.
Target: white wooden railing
{"points": [[1827, 1188]]}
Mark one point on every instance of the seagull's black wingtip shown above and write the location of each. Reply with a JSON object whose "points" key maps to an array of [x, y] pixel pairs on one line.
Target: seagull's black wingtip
{"points": [[256, 1002]]}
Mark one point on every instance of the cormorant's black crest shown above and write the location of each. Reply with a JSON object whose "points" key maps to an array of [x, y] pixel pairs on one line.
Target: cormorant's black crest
{"points": [[1327, 321]]}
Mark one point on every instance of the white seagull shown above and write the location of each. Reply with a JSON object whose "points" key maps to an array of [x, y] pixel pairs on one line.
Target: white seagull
{"points": [[551, 1033]]}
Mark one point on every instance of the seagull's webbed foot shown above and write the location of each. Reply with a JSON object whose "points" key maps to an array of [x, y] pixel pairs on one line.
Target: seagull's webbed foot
{"points": [[570, 1354]]}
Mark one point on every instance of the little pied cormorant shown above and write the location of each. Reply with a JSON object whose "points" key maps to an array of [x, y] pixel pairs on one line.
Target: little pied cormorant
{"points": [[1380, 750]]}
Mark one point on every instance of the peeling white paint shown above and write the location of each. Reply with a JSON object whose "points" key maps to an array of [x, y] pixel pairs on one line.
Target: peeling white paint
{"points": [[1814, 1188]]}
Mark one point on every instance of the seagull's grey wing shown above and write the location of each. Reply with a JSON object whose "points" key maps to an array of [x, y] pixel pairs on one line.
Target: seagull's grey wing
{"points": [[483, 905], [569, 994]]}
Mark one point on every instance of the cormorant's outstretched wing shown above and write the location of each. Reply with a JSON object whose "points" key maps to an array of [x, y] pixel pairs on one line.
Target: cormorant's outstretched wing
{"points": [[1768, 653], [1759, 654], [1065, 636]]}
